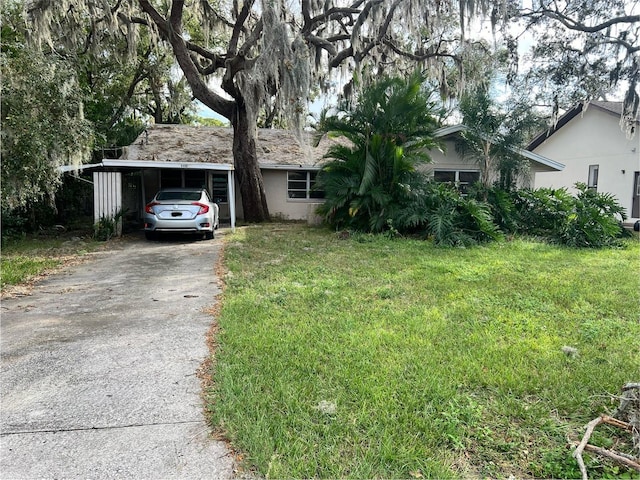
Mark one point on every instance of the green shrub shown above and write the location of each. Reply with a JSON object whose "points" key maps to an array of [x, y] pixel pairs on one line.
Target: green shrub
{"points": [[447, 217], [501, 204], [589, 219], [13, 225], [595, 220], [542, 212], [108, 227]]}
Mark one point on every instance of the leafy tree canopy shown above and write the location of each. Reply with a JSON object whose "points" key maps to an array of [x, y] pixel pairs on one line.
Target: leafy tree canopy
{"points": [[266, 54], [583, 50], [43, 122]]}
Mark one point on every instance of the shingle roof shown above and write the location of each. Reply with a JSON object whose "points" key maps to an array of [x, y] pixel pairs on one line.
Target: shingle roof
{"points": [[613, 107], [187, 143]]}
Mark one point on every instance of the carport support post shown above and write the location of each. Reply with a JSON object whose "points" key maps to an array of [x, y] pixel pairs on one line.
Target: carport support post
{"points": [[231, 197]]}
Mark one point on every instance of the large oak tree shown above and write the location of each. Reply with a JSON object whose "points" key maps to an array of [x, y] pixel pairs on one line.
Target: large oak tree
{"points": [[239, 57]]}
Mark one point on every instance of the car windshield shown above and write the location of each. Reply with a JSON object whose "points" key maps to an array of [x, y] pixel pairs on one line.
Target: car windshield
{"points": [[178, 195]]}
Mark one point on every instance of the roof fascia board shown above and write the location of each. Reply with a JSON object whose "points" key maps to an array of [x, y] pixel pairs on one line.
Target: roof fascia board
{"points": [[541, 159], [272, 166], [176, 165], [446, 131]]}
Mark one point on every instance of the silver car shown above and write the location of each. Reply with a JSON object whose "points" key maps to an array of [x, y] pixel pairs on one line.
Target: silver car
{"points": [[187, 210]]}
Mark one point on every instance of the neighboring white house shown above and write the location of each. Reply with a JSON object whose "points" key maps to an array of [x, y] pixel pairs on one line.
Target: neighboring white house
{"points": [[190, 156], [589, 140]]}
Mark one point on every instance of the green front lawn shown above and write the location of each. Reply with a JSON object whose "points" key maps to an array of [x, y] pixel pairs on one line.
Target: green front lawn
{"points": [[26, 259], [373, 358]]}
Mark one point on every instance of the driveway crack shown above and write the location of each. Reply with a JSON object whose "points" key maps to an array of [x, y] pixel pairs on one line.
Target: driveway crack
{"points": [[109, 427]]}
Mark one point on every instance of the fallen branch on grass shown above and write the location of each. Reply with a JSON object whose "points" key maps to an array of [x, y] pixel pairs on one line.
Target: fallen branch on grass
{"points": [[629, 410]]}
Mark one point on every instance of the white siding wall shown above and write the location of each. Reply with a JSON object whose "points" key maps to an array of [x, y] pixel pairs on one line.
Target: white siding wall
{"points": [[593, 138], [107, 196]]}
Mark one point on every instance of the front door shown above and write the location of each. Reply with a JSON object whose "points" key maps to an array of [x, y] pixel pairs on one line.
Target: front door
{"points": [[635, 209]]}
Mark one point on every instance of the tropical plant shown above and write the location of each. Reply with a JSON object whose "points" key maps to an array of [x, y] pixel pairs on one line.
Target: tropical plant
{"points": [[589, 219], [108, 226], [372, 171], [449, 218], [493, 136], [595, 220]]}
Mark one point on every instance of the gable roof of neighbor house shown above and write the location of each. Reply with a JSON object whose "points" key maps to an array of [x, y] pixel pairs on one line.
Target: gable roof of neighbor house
{"points": [[534, 157], [613, 108]]}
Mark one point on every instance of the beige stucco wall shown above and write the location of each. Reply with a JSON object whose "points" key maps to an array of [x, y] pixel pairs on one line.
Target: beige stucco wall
{"points": [[275, 186], [449, 159], [593, 138]]}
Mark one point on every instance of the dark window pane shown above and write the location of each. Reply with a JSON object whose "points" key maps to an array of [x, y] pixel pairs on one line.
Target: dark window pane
{"points": [[316, 194], [444, 176], [220, 185], [298, 176], [469, 177], [170, 195], [297, 185], [297, 194]]}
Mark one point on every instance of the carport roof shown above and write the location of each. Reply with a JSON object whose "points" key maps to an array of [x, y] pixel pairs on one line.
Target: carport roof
{"points": [[120, 163]]}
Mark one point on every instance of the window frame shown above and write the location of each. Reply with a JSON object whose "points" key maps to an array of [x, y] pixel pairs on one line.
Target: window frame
{"points": [[222, 182], [456, 182], [309, 180], [592, 179]]}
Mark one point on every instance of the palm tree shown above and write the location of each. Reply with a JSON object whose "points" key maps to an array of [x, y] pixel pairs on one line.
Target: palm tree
{"points": [[492, 138], [372, 172]]}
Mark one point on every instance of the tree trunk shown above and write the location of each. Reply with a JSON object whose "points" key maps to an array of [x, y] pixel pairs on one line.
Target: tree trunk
{"points": [[254, 200]]}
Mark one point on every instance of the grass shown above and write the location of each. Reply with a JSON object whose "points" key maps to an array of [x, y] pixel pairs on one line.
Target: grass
{"points": [[374, 358], [28, 258]]}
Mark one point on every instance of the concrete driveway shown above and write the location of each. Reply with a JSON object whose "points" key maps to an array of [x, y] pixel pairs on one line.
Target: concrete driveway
{"points": [[98, 368]]}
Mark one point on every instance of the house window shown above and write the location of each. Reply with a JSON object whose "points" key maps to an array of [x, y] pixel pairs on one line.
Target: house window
{"points": [[593, 177], [301, 185], [462, 179], [220, 188]]}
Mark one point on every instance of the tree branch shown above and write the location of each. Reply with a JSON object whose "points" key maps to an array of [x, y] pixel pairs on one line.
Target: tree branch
{"points": [[572, 24], [238, 28], [323, 43], [252, 39], [175, 16], [199, 88]]}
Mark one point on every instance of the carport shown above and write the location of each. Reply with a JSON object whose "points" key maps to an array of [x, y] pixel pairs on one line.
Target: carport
{"points": [[122, 185]]}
